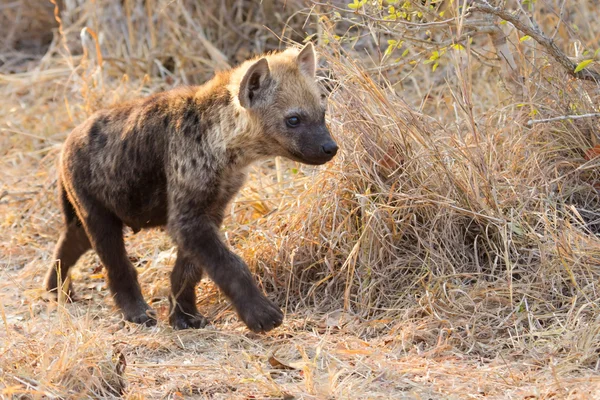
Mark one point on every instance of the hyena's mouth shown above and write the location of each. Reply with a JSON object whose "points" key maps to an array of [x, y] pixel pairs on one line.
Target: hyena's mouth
{"points": [[309, 159]]}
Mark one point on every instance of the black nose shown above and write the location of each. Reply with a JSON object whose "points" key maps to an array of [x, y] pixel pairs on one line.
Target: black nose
{"points": [[330, 148]]}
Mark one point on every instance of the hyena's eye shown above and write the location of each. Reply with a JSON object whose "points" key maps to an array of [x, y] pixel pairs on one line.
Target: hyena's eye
{"points": [[293, 122]]}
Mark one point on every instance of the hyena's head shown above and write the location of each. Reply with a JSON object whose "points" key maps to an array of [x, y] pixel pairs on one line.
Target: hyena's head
{"points": [[281, 95]]}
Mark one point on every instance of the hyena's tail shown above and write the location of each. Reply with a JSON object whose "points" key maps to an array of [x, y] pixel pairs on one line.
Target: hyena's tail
{"points": [[66, 206]]}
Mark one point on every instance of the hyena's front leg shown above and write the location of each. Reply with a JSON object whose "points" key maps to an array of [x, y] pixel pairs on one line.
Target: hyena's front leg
{"points": [[198, 236], [184, 278]]}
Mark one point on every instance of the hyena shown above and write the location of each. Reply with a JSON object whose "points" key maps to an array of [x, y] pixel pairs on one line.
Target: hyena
{"points": [[176, 159]]}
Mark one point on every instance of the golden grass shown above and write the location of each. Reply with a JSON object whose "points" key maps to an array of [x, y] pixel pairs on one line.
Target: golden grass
{"points": [[448, 251]]}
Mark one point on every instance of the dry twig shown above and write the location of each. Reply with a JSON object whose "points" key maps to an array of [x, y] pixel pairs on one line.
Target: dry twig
{"points": [[561, 118]]}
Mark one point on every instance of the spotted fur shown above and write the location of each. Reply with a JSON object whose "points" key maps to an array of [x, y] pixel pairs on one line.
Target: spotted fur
{"points": [[176, 159]]}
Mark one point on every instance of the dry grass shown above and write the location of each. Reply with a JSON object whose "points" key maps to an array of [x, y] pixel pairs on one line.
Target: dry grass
{"points": [[448, 251]]}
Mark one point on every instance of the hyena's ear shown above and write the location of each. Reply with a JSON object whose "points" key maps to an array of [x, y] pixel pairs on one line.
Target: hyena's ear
{"points": [[307, 60], [253, 87]]}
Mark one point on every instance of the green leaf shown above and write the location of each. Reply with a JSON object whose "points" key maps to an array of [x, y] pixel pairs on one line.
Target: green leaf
{"points": [[458, 46], [582, 65], [516, 228], [524, 38], [434, 56], [405, 52], [388, 51], [356, 4]]}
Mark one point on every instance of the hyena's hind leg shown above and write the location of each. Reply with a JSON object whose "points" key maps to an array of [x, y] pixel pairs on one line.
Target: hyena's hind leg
{"points": [[184, 278], [105, 231], [71, 245]]}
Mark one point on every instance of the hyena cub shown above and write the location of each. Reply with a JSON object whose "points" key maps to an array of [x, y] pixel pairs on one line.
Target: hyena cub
{"points": [[177, 159]]}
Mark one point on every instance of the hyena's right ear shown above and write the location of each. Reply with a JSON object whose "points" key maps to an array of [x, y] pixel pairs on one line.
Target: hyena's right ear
{"points": [[254, 85]]}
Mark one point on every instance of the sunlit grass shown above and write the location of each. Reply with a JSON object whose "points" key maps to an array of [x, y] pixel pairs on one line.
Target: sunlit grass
{"points": [[448, 250]]}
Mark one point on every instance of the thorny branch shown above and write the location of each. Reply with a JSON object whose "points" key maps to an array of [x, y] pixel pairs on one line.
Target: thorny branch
{"points": [[408, 30], [482, 26], [537, 35]]}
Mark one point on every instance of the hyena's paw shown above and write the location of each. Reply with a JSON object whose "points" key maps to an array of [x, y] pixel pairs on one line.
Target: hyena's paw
{"points": [[181, 320], [52, 295], [260, 314], [140, 313]]}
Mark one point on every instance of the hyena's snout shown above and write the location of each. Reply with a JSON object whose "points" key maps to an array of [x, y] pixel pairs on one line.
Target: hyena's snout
{"points": [[318, 147], [329, 148]]}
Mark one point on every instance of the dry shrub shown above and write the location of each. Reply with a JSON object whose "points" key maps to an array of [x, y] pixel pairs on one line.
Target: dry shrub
{"points": [[25, 31], [444, 229], [462, 215]]}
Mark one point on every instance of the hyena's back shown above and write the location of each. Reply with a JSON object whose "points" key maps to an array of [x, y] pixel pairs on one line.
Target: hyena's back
{"points": [[120, 156]]}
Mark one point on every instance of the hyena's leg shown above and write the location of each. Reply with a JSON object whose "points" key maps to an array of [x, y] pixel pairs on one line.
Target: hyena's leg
{"points": [[184, 278], [73, 242], [105, 231], [198, 236]]}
